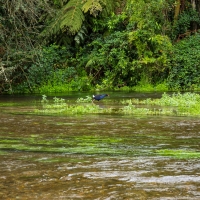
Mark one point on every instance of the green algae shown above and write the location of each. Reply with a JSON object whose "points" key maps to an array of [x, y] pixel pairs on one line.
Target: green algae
{"points": [[10, 141], [179, 153], [5, 104], [93, 143], [3, 153], [73, 145]]}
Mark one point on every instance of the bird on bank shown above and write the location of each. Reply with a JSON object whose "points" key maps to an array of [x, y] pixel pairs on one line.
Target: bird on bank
{"points": [[98, 97]]}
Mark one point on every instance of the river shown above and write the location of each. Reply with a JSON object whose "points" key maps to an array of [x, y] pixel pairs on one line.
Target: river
{"points": [[96, 156]]}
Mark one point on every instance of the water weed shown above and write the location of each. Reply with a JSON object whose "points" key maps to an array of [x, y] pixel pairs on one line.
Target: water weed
{"points": [[186, 104], [177, 104], [60, 106], [44, 99], [179, 153], [84, 100]]}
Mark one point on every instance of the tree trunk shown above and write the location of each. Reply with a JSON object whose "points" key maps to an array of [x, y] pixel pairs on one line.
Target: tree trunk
{"points": [[193, 24], [193, 3], [177, 10], [198, 6]]}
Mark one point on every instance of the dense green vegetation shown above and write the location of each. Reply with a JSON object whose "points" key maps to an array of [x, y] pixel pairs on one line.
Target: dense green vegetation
{"points": [[75, 45]]}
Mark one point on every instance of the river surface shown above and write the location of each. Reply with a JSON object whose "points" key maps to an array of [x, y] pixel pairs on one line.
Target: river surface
{"points": [[96, 156]]}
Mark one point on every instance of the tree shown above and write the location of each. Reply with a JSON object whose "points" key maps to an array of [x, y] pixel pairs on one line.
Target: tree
{"points": [[148, 38], [19, 27], [72, 19], [186, 18]]}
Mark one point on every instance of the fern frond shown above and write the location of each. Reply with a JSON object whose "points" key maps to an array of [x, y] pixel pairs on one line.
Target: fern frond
{"points": [[97, 6], [73, 16], [69, 18], [109, 6], [94, 6], [80, 36]]}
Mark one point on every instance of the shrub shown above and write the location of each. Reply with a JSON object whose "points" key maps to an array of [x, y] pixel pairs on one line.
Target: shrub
{"points": [[50, 70], [185, 64]]}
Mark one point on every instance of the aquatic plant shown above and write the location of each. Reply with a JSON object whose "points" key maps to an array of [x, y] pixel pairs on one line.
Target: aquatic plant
{"points": [[177, 104], [84, 100], [179, 153], [187, 104], [7, 104], [59, 106], [86, 144], [3, 153], [58, 100], [44, 99], [131, 109]]}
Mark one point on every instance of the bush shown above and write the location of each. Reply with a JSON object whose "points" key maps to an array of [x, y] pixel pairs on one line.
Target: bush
{"points": [[185, 64], [184, 22], [51, 69]]}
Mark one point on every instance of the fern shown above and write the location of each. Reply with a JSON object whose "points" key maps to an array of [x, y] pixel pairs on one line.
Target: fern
{"points": [[69, 20], [72, 16], [80, 36], [93, 6]]}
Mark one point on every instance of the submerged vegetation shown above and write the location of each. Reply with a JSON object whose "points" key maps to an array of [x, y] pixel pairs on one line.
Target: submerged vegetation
{"points": [[89, 145], [176, 104], [179, 154]]}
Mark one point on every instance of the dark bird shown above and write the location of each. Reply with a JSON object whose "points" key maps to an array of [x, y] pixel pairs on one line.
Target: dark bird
{"points": [[98, 97]]}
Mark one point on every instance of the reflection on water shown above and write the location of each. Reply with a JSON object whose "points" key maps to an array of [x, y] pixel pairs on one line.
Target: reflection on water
{"points": [[97, 157]]}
